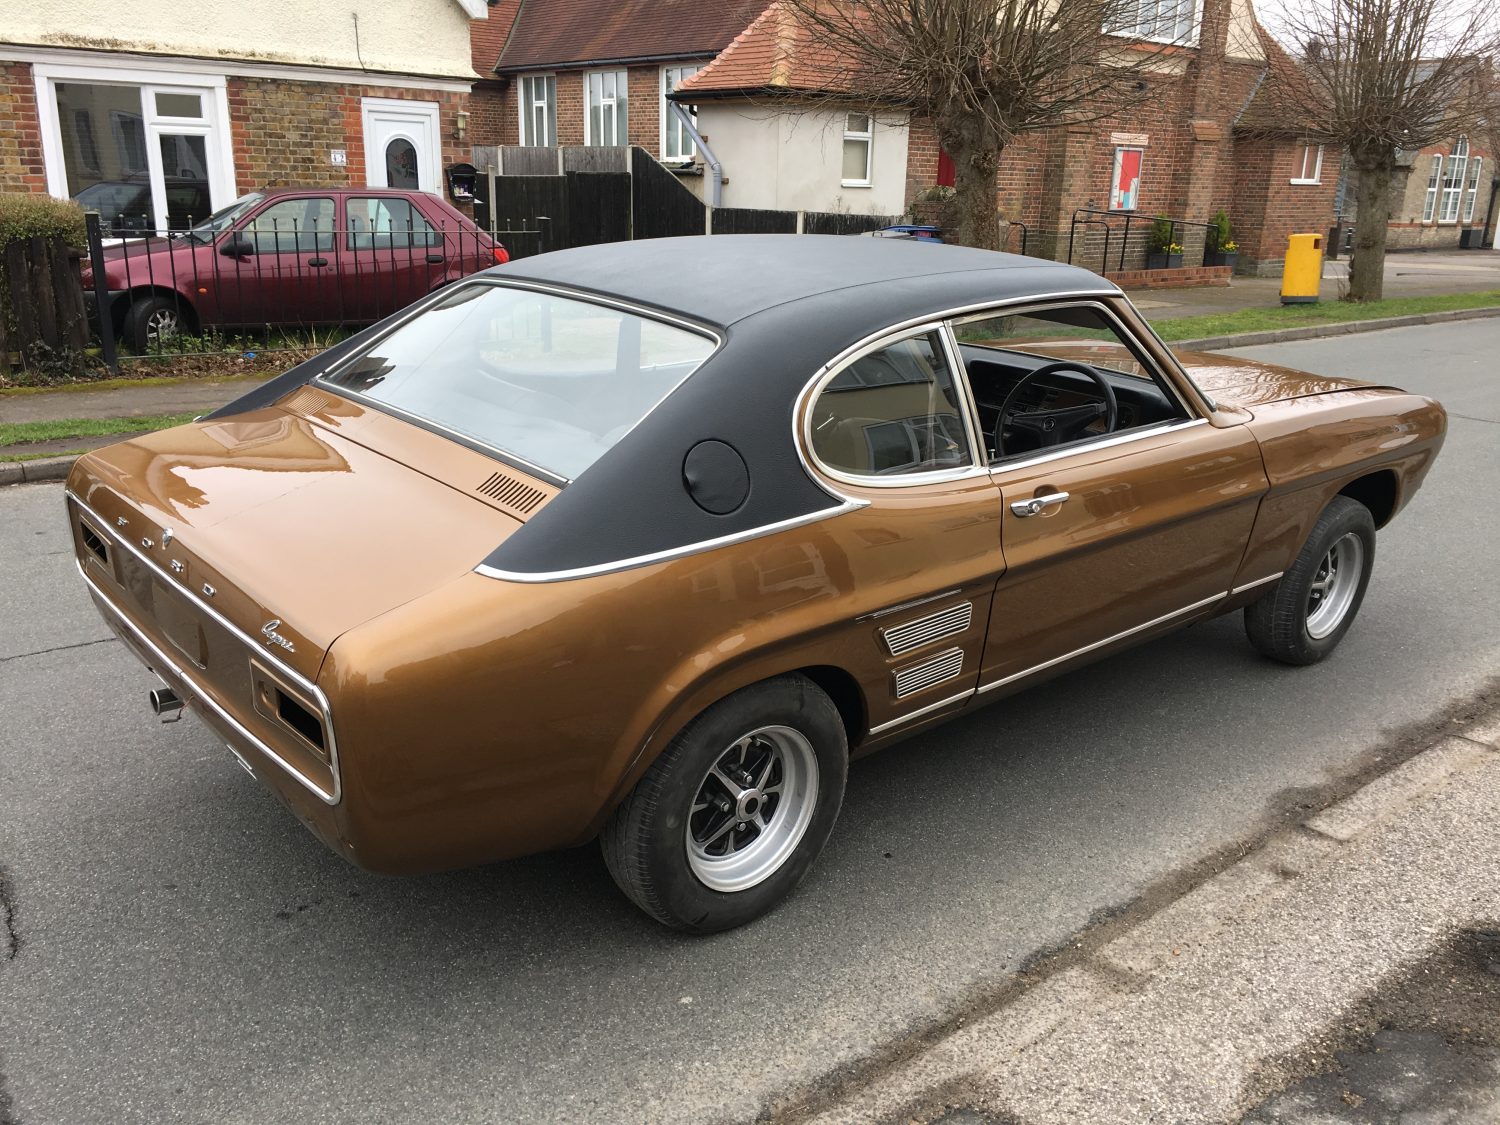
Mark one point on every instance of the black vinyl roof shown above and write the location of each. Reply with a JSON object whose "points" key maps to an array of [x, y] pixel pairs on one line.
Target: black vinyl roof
{"points": [[722, 279]]}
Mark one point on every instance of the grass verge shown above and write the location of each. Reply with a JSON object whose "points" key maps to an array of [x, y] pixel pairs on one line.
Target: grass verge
{"points": [[8, 457], [1325, 312], [23, 433]]}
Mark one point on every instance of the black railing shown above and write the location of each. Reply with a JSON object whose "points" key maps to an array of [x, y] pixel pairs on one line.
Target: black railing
{"points": [[1025, 232], [1118, 224], [275, 283]]}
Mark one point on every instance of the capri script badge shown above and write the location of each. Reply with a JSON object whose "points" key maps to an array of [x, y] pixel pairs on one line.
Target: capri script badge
{"points": [[268, 630]]}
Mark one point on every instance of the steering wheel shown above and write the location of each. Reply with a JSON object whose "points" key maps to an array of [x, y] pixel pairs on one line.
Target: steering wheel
{"points": [[1053, 427]]}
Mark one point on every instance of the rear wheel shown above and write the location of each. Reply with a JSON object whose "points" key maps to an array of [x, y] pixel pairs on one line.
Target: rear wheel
{"points": [[731, 815], [152, 322], [1305, 615]]}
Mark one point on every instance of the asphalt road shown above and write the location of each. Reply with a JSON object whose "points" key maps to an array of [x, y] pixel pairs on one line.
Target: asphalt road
{"points": [[186, 952]]}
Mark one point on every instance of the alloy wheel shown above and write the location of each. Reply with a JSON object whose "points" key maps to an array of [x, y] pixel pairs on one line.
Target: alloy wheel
{"points": [[1334, 585]]}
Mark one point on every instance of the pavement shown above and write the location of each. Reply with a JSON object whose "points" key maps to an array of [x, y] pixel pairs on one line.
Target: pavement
{"points": [[178, 949]]}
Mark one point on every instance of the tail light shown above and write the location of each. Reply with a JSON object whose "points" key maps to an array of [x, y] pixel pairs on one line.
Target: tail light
{"points": [[502, 255]]}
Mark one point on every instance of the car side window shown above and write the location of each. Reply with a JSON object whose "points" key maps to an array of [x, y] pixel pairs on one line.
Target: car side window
{"points": [[293, 226], [892, 412], [385, 223]]}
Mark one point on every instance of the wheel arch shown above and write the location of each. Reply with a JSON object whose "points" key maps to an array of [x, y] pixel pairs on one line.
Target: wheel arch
{"points": [[122, 303], [1379, 491]]}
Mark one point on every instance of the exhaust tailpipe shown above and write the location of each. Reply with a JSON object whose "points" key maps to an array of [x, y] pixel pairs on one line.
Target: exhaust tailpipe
{"points": [[166, 705]]}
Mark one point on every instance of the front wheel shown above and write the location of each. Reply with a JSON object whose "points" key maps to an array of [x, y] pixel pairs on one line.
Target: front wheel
{"points": [[727, 821], [1305, 615]]}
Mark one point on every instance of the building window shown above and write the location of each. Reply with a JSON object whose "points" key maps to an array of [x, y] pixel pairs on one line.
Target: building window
{"points": [[1163, 21], [859, 149], [676, 141], [1453, 182], [1310, 167], [1434, 177], [1471, 193], [604, 116], [149, 157], [1125, 182], [539, 110]]}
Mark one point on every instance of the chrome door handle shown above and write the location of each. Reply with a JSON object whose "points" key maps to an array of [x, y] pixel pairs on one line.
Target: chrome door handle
{"points": [[1034, 506]]}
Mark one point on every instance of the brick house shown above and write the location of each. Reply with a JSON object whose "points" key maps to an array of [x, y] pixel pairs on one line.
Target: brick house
{"points": [[567, 72], [1194, 146], [175, 114]]}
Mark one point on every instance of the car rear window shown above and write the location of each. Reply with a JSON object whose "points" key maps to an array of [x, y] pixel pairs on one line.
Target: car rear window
{"points": [[554, 382]]}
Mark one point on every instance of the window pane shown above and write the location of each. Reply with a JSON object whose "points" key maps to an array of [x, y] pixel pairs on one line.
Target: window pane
{"points": [[184, 165], [179, 105], [891, 412], [856, 160], [293, 226], [858, 123], [104, 152], [553, 381], [388, 224]]}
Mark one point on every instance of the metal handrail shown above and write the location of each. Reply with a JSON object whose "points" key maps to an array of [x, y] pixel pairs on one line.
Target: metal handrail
{"points": [[1073, 229], [1210, 240]]}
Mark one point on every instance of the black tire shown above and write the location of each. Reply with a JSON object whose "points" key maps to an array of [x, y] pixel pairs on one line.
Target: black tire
{"points": [[138, 331], [646, 842], [1284, 624]]}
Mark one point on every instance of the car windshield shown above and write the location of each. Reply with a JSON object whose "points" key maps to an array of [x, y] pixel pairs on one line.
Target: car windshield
{"points": [[221, 220], [552, 381]]}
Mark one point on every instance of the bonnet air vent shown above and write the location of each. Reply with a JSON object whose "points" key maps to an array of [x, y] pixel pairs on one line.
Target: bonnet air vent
{"points": [[514, 494], [306, 401]]}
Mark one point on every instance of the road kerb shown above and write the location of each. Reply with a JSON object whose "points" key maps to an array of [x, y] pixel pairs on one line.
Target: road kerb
{"points": [[31, 472], [1316, 331], [1388, 793]]}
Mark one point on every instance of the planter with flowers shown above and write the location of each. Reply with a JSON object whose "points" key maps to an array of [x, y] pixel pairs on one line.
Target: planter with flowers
{"points": [[1222, 250], [1162, 253]]}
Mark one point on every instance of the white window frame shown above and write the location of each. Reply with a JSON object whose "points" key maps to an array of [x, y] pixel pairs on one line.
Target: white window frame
{"points": [[1434, 182], [1114, 178], [1454, 180], [1317, 176], [213, 127], [1471, 193], [671, 77], [867, 137], [527, 105], [1145, 17], [611, 105]]}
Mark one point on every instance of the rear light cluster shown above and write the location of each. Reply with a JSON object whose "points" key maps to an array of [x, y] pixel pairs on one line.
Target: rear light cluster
{"points": [[501, 254], [288, 709]]}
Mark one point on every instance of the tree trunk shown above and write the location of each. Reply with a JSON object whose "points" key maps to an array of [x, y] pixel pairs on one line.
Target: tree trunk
{"points": [[1367, 269], [974, 197]]}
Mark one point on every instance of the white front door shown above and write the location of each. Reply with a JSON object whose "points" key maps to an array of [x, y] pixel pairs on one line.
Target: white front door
{"points": [[402, 146]]}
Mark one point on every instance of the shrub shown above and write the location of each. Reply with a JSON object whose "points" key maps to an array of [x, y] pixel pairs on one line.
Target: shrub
{"points": [[27, 215], [1161, 236], [1222, 240]]}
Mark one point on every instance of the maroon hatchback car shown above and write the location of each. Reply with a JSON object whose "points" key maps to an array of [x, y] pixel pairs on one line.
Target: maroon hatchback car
{"points": [[291, 257]]}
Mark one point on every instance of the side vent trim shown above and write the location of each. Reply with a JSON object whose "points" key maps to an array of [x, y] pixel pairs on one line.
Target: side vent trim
{"points": [[935, 670], [901, 639], [515, 494]]}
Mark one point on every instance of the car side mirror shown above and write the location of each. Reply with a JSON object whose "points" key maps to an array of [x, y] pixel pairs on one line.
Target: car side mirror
{"points": [[237, 246]]}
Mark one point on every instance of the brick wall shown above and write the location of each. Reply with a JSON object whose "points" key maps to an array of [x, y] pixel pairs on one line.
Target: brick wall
{"points": [[492, 115], [282, 131], [1276, 207], [21, 167]]}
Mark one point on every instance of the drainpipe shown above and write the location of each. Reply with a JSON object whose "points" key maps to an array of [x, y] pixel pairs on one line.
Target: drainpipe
{"points": [[715, 169]]}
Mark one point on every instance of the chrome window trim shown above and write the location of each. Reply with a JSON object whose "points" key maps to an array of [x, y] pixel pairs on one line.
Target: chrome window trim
{"points": [[911, 716], [1105, 441], [261, 652], [801, 420], [899, 480], [848, 505], [1120, 636], [583, 295]]}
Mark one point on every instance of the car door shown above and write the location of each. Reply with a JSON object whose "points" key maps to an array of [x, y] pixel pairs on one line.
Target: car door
{"points": [[891, 429], [288, 275], [392, 255], [1107, 535]]}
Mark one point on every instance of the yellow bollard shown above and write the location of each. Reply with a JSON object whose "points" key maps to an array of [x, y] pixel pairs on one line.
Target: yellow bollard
{"points": [[1303, 269]]}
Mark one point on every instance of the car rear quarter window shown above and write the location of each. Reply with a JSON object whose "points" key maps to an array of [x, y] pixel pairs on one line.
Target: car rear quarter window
{"points": [[891, 412], [552, 381]]}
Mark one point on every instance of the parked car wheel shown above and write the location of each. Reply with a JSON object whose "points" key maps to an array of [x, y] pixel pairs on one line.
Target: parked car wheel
{"points": [[152, 321], [729, 818], [1305, 615]]}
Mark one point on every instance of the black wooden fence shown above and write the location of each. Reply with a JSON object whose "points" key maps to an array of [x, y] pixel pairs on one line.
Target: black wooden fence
{"points": [[41, 300], [661, 206]]}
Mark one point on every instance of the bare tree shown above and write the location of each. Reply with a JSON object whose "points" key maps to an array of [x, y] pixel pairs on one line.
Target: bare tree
{"points": [[1379, 76], [983, 72]]}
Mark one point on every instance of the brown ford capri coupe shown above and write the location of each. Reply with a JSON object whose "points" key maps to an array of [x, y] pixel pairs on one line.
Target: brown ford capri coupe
{"points": [[645, 541]]}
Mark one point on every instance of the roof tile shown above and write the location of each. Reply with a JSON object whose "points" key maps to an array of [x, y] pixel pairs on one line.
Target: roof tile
{"points": [[578, 32]]}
